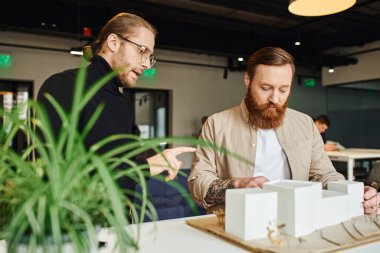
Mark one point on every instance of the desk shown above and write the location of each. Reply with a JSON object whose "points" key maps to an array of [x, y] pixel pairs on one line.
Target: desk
{"points": [[175, 236], [349, 155]]}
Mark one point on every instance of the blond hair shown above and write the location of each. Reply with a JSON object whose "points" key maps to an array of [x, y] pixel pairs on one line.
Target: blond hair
{"points": [[122, 23]]}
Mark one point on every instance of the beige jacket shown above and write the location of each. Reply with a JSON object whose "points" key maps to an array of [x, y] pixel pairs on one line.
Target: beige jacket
{"points": [[230, 129]]}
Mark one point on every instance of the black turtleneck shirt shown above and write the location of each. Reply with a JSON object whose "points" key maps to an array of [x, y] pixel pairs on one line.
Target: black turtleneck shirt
{"points": [[116, 117]]}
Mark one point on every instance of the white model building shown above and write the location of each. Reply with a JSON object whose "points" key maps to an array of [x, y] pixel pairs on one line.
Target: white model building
{"points": [[246, 221], [301, 205]]}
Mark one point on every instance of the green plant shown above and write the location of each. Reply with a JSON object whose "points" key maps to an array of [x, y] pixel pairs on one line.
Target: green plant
{"points": [[69, 191]]}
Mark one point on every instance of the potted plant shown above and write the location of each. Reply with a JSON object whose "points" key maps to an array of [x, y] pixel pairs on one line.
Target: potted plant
{"points": [[66, 193]]}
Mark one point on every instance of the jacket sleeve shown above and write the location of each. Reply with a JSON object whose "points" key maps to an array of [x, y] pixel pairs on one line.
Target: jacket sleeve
{"points": [[321, 167], [203, 171]]}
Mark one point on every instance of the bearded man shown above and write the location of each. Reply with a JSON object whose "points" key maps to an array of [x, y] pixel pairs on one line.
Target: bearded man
{"points": [[281, 142]]}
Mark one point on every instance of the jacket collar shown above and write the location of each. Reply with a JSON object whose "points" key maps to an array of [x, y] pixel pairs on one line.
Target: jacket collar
{"points": [[244, 111]]}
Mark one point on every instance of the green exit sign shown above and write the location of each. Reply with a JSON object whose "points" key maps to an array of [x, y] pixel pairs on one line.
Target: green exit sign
{"points": [[309, 82], [149, 73], [5, 60]]}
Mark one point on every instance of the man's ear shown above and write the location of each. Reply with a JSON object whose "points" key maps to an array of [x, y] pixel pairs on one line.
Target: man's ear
{"points": [[247, 79], [113, 42]]}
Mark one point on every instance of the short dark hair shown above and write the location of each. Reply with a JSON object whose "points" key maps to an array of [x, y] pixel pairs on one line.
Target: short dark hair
{"points": [[272, 56], [323, 119]]}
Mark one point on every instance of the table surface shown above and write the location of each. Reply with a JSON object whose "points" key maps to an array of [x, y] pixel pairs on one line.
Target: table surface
{"points": [[355, 153], [175, 236]]}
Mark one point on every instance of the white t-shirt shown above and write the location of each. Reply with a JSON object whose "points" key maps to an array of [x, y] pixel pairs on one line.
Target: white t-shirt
{"points": [[271, 161]]}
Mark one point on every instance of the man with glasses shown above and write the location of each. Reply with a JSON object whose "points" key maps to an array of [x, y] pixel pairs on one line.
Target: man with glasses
{"points": [[125, 43], [145, 52]]}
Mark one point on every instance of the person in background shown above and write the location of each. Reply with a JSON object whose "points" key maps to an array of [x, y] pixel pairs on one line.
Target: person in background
{"points": [[281, 143], [125, 43], [322, 122]]}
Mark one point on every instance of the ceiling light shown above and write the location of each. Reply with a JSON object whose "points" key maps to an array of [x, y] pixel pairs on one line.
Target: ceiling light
{"points": [[76, 51], [240, 59], [319, 7], [298, 39], [331, 70]]}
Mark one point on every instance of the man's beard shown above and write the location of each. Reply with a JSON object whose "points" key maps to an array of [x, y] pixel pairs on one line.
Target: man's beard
{"points": [[118, 63], [263, 116]]}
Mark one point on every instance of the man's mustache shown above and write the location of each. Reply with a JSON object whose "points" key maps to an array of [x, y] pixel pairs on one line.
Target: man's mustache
{"points": [[268, 105]]}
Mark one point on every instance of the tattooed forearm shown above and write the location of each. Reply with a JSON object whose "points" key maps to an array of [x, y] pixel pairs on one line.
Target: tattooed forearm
{"points": [[217, 191]]}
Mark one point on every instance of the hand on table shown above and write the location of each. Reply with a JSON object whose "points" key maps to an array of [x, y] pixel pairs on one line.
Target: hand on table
{"points": [[158, 164], [371, 201], [250, 182]]}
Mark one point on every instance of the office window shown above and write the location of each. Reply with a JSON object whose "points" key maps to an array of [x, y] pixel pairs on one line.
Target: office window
{"points": [[15, 95]]}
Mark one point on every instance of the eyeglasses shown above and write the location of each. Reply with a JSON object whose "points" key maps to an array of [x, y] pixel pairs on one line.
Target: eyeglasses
{"points": [[144, 52]]}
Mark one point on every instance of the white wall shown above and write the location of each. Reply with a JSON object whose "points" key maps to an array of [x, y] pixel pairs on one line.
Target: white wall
{"points": [[367, 67], [36, 65], [197, 91]]}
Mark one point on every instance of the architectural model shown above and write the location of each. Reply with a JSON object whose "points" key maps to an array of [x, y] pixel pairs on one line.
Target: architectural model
{"points": [[301, 206]]}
